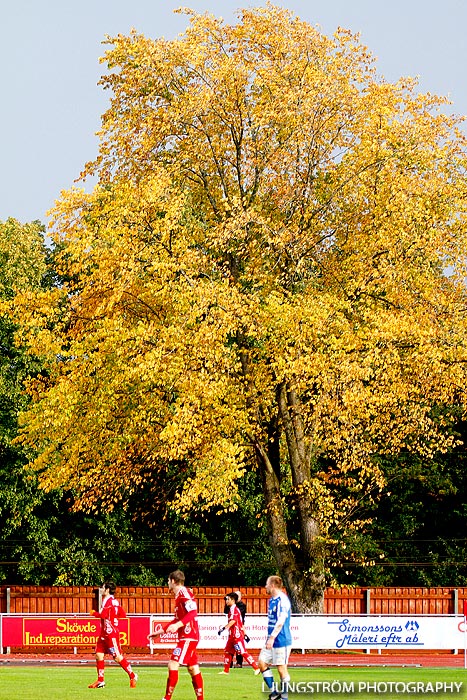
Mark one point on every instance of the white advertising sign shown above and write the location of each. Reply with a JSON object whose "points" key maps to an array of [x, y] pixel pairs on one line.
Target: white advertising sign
{"points": [[338, 632], [381, 632]]}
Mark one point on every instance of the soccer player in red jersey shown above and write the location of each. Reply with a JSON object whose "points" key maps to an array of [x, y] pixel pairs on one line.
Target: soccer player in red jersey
{"points": [[236, 640], [109, 637], [185, 623]]}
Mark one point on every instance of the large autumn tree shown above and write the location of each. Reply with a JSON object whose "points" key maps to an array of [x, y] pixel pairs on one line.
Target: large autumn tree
{"points": [[268, 275]]}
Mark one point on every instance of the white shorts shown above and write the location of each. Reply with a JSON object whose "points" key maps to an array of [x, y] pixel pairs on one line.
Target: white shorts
{"points": [[277, 656]]}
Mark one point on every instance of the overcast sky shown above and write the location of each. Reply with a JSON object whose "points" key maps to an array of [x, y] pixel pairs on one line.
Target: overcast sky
{"points": [[49, 57]]}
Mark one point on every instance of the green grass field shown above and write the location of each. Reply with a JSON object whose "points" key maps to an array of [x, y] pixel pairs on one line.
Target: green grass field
{"points": [[71, 683]]}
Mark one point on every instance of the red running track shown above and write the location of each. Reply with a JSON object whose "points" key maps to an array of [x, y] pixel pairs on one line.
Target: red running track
{"points": [[426, 659]]}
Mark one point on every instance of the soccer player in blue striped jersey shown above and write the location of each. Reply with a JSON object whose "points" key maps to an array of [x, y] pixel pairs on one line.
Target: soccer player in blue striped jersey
{"points": [[276, 650]]}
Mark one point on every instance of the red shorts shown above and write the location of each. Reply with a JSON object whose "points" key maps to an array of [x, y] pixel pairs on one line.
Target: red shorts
{"points": [[235, 646], [185, 652], [109, 645]]}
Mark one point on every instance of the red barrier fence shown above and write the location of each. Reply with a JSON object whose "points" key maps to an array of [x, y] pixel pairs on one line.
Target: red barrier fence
{"points": [[72, 601], [156, 600]]}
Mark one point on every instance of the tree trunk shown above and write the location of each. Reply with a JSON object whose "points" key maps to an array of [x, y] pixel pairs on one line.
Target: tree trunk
{"points": [[309, 588], [303, 573], [277, 526]]}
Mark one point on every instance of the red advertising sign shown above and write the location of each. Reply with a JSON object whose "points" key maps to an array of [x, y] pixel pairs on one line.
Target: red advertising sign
{"points": [[59, 631], [164, 639]]}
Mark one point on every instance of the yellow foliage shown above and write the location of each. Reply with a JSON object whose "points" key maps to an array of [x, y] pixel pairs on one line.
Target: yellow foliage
{"points": [[270, 216]]}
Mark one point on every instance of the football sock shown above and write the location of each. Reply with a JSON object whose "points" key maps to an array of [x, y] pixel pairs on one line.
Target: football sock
{"points": [[228, 658], [172, 681], [251, 660], [285, 687], [100, 665], [127, 667], [198, 686], [268, 678]]}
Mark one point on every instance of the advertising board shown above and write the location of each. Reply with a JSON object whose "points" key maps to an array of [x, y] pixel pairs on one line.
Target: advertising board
{"points": [[310, 632]]}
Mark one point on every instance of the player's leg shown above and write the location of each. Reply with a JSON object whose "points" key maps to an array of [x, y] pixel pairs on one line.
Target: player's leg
{"points": [[285, 680], [100, 666], [118, 656], [229, 652], [281, 658], [182, 654], [250, 660], [264, 661], [228, 658], [197, 681], [191, 660], [240, 650], [172, 677]]}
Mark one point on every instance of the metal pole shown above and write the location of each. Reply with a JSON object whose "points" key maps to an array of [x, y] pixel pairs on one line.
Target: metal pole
{"points": [[465, 641], [367, 609], [455, 595], [8, 609]]}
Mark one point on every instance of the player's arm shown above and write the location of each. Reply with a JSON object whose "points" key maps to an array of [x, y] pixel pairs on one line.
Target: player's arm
{"points": [[191, 610], [175, 625], [159, 629], [278, 626], [232, 619], [226, 627], [231, 622]]}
